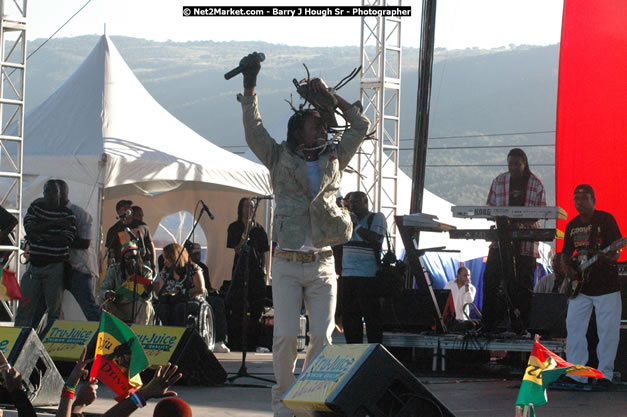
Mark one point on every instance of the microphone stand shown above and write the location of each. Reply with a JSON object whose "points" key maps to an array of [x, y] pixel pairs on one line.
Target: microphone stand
{"points": [[191, 232], [244, 258]]}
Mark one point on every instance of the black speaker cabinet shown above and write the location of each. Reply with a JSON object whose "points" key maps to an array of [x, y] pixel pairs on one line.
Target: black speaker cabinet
{"points": [[413, 310], [620, 365], [27, 354], [622, 282], [197, 363], [548, 314], [360, 381]]}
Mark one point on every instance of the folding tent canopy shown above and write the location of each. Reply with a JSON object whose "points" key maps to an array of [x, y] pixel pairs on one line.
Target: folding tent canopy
{"points": [[104, 134]]}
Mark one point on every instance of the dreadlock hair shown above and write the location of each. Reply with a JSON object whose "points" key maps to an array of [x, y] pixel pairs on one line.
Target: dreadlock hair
{"points": [[296, 124], [240, 207], [517, 152]]}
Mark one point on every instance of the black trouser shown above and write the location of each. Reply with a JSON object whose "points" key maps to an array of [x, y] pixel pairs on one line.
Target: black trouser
{"points": [[219, 316], [175, 314], [359, 298], [235, 312], [517, 276]]}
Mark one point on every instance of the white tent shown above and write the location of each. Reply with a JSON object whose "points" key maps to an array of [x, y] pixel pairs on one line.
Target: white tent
{"points": [[109, 139]]}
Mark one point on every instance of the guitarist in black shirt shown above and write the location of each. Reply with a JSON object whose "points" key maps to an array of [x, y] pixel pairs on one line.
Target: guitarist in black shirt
{"points": [[586, 236]]}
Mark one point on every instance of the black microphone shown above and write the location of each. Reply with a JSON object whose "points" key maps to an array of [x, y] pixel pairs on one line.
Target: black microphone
{"points": [[260, 57], [264, 197], [207, 210], [131, 234]]}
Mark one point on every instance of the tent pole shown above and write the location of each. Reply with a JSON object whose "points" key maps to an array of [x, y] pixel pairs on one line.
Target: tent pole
{"points": [[99, 209]]}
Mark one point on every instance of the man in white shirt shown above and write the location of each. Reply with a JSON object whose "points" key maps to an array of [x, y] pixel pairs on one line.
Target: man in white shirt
{"points": [[557, 281], [462, 292]]}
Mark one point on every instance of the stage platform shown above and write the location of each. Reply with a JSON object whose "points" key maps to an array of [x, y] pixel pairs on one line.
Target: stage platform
{"points": [[440, 343]]}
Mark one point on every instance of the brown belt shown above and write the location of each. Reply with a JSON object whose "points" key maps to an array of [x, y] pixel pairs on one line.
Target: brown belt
{"points": [[302, 257]]}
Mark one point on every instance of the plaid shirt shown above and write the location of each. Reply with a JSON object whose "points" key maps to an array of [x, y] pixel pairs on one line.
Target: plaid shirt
{"points": [[534, 196]]}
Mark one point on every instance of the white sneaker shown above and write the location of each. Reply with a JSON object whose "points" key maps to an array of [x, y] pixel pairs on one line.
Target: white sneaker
{"points": [[220, 347], [262, 349]]}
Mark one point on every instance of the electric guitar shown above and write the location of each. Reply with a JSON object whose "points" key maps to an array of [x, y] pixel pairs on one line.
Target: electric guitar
{"points": [[574, 286]]}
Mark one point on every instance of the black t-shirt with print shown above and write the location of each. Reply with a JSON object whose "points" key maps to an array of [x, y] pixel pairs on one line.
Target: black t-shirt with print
{"points": [[584, 241]]}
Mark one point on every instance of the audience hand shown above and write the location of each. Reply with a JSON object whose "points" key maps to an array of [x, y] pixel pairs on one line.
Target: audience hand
{"points": [[79, 372], [12, 379], [159, 386], [85, 395]]}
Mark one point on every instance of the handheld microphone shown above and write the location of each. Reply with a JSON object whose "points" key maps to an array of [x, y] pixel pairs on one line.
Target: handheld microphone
{"points": [[264, 197], [260, 57], [204, 206], [131, 234]]}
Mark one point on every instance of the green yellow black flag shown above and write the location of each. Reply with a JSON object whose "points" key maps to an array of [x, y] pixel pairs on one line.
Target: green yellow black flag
{"points": [[119, 357]]}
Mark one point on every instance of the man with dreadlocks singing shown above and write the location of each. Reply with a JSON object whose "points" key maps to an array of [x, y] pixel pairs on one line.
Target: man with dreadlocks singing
{"points": [[306, 172]]}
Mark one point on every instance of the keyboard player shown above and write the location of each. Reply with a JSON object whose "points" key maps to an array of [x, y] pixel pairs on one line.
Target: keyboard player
{"points": [[516, 187]]}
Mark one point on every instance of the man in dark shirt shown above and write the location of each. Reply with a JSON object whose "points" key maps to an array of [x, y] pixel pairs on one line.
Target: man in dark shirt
{"points": [[50, 230], [586, 235], [118, 233]]}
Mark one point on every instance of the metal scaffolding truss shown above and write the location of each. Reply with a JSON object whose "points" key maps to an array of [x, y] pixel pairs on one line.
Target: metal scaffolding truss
{"points": [[12, 79], [380, 86]]}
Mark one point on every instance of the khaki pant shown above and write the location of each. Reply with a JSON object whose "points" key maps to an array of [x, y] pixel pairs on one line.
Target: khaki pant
{"points": [[292, 283], [144, 312]]}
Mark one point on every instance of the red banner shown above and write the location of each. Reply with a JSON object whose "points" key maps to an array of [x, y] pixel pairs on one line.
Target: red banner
{"points": [[591, 138]]}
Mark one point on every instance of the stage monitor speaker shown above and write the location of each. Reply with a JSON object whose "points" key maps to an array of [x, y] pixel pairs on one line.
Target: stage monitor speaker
{"points": [[548, 314], [194, 359], [413, 310], [183, 347], [27, 354], [359, 381]]}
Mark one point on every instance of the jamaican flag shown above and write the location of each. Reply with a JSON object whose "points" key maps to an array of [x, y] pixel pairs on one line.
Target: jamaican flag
{"points": [[543, 368], [119, 357]]}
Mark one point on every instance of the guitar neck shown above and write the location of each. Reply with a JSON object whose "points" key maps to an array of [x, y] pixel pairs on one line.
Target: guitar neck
{"points": [[588, 263], [619, 244]]}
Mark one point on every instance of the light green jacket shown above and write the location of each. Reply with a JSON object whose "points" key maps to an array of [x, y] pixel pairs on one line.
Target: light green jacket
{"points": [[295, 209]]}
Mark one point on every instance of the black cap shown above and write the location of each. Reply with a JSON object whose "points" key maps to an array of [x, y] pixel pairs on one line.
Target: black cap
{"points": [[123, 203], [585, 188]]}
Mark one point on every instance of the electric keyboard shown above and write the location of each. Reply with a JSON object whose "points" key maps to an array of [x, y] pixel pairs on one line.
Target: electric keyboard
{"points": [[426, 222], [493, 235], [514, 212]]}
